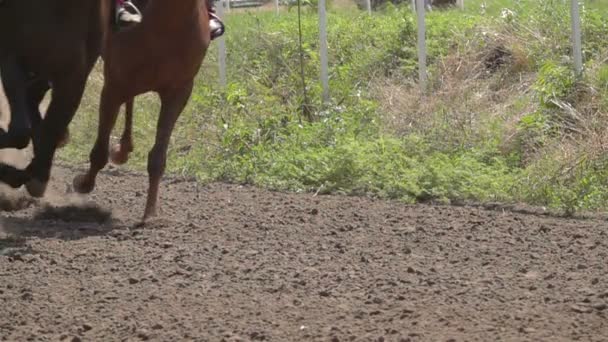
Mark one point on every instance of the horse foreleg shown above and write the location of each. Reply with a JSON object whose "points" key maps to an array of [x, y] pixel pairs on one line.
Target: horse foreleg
{"points": [[35, 94], [120, 152], [67, 93], [36, 90], [108, 111], [172, 104], [14, 80]]}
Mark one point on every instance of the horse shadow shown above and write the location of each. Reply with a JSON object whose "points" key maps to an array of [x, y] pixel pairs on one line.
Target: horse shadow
{"points": [[65, 222], [12, 246]]}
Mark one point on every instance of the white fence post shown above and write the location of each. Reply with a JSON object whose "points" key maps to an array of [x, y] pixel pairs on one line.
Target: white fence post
{"points": [[576, 37], [323, 52], [368, 4], [222, 47], [460, 4], [276, 6], [420, 8]]}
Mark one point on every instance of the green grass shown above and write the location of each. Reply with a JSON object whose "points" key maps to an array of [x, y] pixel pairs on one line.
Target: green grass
{"points": [[493, 135]]}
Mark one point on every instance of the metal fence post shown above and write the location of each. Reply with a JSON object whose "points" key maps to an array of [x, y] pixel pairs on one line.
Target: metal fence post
{"points": [[420, 8], [323, 50], [222, 47], [576, 37]]}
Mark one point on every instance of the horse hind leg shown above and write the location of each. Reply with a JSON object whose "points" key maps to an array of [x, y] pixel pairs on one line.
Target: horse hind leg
{"points": [[108, 112], [172, 104], [120, 152]]}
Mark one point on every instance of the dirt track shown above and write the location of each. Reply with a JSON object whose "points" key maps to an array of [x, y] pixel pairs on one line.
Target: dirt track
{"points": [[230, 262]]}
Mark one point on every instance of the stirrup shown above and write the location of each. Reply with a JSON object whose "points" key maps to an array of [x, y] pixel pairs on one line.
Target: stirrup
{"points": [[219, 28], [132, 13]]}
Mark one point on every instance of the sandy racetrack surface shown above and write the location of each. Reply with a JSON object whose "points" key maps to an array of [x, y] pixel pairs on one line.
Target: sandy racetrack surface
{"points": [[227, 262]]}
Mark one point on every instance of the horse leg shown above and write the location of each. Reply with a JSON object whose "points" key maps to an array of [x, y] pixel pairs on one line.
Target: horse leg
{"points": [[14, 80], [35, 94], [172, 104], [108, 111], [120, 152], [67, 94]]}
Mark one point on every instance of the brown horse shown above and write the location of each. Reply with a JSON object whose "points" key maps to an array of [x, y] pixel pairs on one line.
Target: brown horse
{"points": [[163, 54], [45, 44]]}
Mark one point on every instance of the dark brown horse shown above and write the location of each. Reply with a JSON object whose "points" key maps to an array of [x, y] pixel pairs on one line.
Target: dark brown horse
{"points": [[45, 44], [163, 54]]}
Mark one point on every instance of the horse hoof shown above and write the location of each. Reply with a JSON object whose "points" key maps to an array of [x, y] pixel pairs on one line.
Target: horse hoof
{"points": [[150, 214], [36, 188], [146, 220], [83, 185], [117, 156]]}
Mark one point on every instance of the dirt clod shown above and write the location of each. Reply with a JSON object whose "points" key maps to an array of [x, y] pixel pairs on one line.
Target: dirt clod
{"points": [[580, 308], [143, 334], [600, 306]]}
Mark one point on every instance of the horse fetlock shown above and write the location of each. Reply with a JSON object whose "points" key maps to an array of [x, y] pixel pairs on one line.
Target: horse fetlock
{"points": [[64, 140], [13, 176], [15, 140], [120, 154], [22, 141]]}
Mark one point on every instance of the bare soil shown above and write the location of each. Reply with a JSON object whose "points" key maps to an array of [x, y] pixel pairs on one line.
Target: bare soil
{"points": [[229, 262]]}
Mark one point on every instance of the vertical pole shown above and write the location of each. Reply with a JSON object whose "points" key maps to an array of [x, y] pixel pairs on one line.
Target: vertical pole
{"points": [[276, 6], [323, 52], [368, 4], [460, 4], [576, 37], [421, 43], [222, 47]]}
